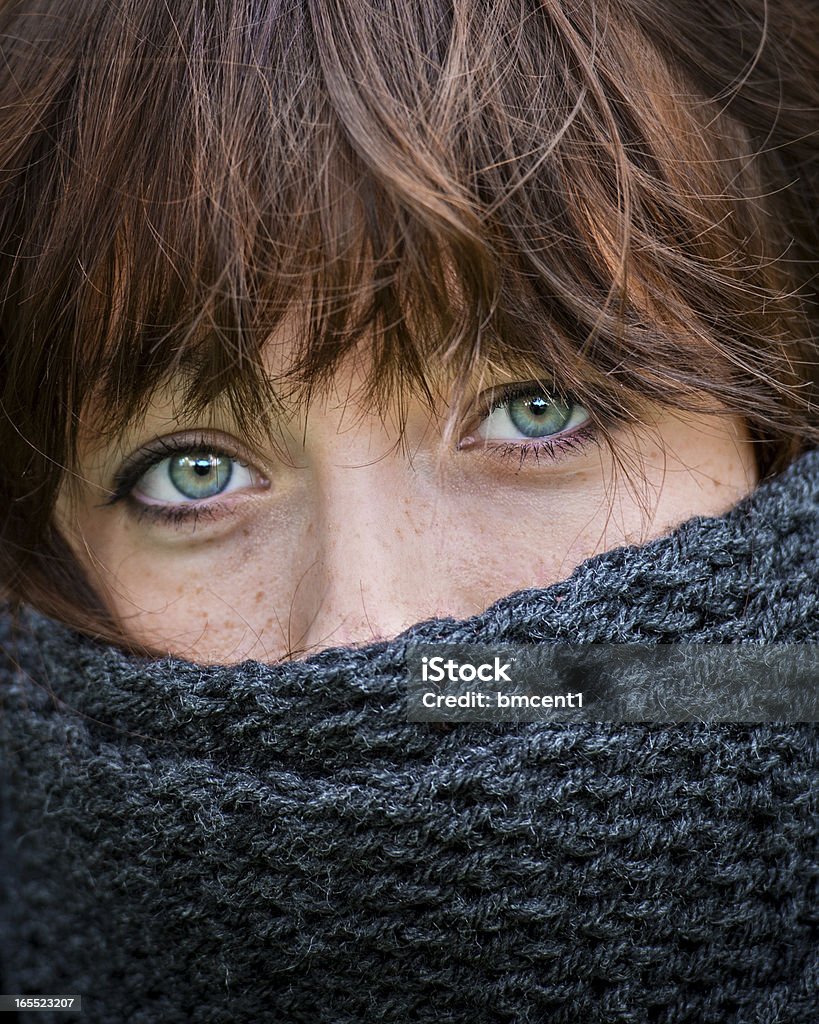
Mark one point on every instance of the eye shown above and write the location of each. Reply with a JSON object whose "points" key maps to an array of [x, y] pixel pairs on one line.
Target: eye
{"points": [[183, 479], [528, 412], [193, 476]]}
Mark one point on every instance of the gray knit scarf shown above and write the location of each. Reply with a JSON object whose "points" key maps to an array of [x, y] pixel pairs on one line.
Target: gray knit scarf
{"points": [[279, 843]]}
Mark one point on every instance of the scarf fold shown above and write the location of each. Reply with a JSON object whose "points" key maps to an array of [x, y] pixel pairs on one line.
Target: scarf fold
{"points": [[279, 843]]}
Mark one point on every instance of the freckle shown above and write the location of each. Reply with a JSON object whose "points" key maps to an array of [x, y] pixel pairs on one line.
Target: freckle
{"points": [[259, 596]]}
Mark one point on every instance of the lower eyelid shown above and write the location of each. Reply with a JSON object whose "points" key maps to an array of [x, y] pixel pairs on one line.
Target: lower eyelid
{"points": [[162, 514], [555, 448]]}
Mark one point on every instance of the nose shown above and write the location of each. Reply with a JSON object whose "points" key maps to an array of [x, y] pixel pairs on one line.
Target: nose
{"points": [[371, 574]]}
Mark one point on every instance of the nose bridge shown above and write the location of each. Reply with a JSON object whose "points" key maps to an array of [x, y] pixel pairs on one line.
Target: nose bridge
{"points": [[368, 556]]}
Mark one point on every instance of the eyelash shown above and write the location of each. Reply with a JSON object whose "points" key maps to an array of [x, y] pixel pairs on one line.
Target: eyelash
{"points": [[135, 468], [554, 448]]}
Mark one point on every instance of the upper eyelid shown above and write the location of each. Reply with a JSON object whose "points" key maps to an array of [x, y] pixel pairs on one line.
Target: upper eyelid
{"points": [[500, 394], [154, 452], [160, 449]]}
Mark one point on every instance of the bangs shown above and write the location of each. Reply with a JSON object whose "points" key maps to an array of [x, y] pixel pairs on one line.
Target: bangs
{"points": [[452, 187], [330, 179]]}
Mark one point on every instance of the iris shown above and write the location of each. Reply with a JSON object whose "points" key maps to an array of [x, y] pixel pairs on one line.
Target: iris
{"points": [[200, 474], [538, 415]]}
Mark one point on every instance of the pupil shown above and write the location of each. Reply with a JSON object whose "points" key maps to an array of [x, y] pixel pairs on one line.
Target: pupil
{"points": [[538, 406]]}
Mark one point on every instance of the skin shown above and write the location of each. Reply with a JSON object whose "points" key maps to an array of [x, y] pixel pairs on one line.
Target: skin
{"points": [[347, 532]]}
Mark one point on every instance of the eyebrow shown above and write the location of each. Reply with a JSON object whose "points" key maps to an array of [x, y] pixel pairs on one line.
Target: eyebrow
{"points": [[176, 398]]}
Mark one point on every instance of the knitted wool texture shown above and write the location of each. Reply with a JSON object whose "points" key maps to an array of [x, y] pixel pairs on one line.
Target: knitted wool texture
{"points": [[277, 843]]}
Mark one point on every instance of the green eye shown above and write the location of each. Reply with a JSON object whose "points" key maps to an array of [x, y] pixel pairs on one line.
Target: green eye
{"points": [[194, 476], [528, 413], [199, 475], [539, 415]]}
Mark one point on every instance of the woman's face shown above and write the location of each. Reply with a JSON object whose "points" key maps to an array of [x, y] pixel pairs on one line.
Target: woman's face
{"points": [[346, 530]]}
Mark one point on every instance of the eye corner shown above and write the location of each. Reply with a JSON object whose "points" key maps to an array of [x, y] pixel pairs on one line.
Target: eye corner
{"points": [[190, 473], [465, 443]]}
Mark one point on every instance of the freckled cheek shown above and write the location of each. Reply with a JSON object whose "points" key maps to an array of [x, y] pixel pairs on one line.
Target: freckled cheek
{"points": [[503, 540], [452, 551], [232, 587]]}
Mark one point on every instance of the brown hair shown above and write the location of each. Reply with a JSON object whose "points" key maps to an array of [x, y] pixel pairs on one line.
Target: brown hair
{"points": [[621, 193]]}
